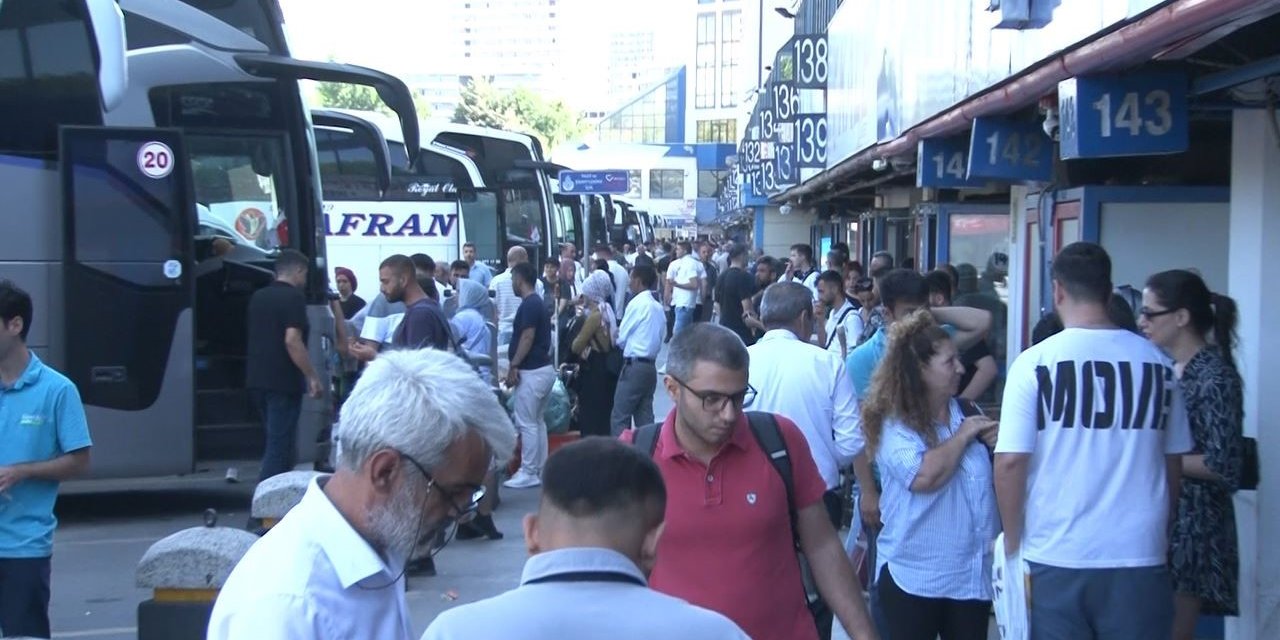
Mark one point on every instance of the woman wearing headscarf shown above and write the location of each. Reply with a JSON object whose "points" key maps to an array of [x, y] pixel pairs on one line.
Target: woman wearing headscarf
{"points": [[469, 324], [351, 303], [597, 380]]}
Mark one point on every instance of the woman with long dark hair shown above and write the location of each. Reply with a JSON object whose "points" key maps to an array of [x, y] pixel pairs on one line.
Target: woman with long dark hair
{"points": [[933, 557], [1196, 328]]}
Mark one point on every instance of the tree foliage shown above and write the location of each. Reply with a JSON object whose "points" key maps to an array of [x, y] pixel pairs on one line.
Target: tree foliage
{"points": [[518, 110], [336, 95]]}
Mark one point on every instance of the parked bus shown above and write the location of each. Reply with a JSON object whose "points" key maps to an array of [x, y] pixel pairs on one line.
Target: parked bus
{"points": [[125, 211], [492, 182]]}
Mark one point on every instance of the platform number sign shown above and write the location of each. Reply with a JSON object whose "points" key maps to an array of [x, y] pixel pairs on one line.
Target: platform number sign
{"points": [[155, 160], [1010, 150], [944, 163], [811, 140], [810, 54], [786, 102], [1124, 115]]}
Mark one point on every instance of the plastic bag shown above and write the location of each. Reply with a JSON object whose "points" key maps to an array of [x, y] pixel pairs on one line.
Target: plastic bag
{"points": [[557, 413], [1010, 579]]}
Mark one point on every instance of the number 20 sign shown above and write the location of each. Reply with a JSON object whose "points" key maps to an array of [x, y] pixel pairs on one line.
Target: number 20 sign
{"points": [[1123, 115]]}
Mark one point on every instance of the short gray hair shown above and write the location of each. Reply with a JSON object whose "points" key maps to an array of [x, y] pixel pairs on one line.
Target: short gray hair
{"points": [[419, 403], [783, 304], [705, 342]]}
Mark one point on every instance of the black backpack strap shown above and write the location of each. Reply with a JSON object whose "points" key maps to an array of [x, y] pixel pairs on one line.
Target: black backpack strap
{"points": [[839, 321], [765, 428], [646, 438]]}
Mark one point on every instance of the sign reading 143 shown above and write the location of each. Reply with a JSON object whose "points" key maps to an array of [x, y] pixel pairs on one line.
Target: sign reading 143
{"points": [[1138, 114]]}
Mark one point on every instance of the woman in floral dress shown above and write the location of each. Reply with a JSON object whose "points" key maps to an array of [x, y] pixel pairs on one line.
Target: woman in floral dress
{"points": [[1196, 328]]}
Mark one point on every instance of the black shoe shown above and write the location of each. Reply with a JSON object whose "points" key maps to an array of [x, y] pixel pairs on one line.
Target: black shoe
{"points": [[481, 527], [423, 567]]}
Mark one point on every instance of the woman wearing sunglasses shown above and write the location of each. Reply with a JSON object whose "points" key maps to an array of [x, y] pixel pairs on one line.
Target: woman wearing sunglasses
{"points": [[1196, 328]]}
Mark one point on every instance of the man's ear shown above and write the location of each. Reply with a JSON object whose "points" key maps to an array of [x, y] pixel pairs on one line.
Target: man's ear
{"points": [[531, 542], [649, 549]]}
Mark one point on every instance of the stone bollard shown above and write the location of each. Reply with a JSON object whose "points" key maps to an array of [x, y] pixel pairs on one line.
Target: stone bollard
{"points": [[275, 496], [185, 572]]}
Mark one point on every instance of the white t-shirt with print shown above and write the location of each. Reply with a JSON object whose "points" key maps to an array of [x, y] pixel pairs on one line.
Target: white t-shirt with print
{"points": [[686, 270], [1098, 410]]}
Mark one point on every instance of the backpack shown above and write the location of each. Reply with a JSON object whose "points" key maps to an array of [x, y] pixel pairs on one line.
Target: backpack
{"points": [[764, 426]]}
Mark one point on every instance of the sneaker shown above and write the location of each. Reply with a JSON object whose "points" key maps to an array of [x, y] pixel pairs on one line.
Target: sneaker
{"points": [[522, 480]]}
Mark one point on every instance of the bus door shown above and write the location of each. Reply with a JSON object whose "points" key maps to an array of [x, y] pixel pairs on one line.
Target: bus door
{"points": [[128, 211]]}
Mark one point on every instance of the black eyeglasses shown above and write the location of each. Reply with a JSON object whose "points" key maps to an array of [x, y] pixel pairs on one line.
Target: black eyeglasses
{"points": [[715, 402], [1151, 313], [459, 512]]}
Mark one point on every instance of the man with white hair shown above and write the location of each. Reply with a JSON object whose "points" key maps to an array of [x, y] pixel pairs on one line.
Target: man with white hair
{"points": [[415, 439]]}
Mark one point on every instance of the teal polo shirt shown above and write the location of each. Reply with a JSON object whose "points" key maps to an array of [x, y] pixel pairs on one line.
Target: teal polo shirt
{"points": [[41, 418], [863, 360]]}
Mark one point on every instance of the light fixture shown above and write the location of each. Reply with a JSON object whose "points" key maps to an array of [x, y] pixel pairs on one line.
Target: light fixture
{"points": [[785, 12]]}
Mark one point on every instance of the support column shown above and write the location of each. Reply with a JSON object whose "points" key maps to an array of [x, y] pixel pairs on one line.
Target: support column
{"points": [[1254, 270]]}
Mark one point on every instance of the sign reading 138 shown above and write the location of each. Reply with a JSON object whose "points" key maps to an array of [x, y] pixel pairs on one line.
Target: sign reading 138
{"points": [[810, 53]]}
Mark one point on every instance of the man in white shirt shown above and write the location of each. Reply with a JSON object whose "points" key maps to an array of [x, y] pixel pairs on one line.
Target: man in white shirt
{"points": [[1088, 466], [839, 334], [643, 330], [333, 567], [807, 384], [685, 281], [802, 269], [592, 544]]}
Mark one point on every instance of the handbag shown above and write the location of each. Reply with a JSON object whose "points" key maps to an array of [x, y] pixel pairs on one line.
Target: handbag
{"points": [[613, 362]]}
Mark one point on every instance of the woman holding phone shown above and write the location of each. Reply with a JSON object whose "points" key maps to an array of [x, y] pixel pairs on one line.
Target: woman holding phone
{"points": [[933, 558]]}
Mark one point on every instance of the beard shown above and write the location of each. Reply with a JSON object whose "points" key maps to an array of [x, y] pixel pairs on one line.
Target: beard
{"points": [[395, 525]]}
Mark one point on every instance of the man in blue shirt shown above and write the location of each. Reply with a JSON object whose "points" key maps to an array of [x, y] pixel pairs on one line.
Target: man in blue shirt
{"points": [[593, 543], [44, 439], [530, 375], [480, 272]]}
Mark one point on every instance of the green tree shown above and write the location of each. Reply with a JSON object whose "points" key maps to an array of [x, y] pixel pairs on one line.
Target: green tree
{"points": [[518, 110], [337, 95]]}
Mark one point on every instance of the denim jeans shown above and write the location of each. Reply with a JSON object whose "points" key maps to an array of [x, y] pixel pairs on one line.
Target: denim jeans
{"points": [[279, 412], [684, 318]]}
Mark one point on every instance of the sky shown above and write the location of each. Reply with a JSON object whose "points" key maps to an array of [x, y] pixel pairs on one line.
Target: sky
{"points": [[397, 36]]}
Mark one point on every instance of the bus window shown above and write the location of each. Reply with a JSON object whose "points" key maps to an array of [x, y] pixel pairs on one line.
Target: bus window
{"points": [[47, 75], [348, 170], [242, 181], [522, 207]]}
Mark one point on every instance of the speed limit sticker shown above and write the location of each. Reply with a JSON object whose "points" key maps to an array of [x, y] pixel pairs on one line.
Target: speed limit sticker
{"points": [[155, 160]]}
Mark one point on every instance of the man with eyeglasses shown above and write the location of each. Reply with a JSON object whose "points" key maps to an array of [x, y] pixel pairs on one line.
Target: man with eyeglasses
{"points": [[729, 543], [334, 566]]}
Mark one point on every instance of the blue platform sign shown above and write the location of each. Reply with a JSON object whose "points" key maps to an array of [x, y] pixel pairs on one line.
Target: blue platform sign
{"points": [[587, 182], [1124, 115], [944, 162], [1010, 150]]}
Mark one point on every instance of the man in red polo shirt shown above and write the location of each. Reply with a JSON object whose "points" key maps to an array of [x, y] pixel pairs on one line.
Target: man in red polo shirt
{"points": [[727, 545]]}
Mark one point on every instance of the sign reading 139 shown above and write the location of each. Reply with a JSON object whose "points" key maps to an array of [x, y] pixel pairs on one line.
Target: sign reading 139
{"points": [[812, 140]]}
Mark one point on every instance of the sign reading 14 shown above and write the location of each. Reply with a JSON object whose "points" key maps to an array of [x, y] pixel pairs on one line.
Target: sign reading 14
{"points": [[1128, 114]]}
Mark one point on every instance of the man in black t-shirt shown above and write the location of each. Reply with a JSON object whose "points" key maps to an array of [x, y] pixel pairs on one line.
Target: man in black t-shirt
{"points": [[278, 366], [531, 376], [980, 368], [733, 295], [707, 299]]}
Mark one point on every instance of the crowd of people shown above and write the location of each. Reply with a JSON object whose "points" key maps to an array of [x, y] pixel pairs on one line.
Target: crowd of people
{"points": [[1104, 457]]}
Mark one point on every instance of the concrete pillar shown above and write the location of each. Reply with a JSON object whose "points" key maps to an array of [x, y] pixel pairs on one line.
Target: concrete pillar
{"points": [[185, 571], [275, 496], [1253, 270]]}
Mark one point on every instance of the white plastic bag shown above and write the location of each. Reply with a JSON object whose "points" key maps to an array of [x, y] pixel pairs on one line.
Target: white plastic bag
{"points": [[1010, 580]]}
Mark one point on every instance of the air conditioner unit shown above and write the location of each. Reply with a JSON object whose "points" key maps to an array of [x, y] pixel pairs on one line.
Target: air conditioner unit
{"points": [[1023, 14]]}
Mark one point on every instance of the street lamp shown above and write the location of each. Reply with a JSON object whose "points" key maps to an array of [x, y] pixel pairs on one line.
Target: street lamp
{"points": [[785, 12]]}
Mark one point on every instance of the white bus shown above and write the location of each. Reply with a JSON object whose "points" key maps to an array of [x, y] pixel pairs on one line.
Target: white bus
{"points": [[125, 167]]}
